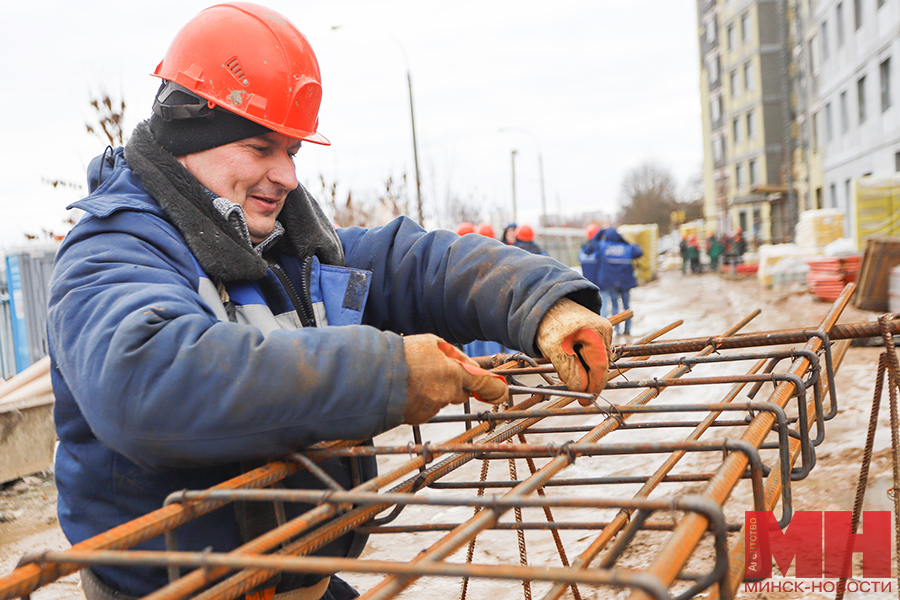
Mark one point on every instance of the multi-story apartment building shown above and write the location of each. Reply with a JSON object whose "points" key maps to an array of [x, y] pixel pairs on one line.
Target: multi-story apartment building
{"points": [[715, 171], [745, 117], [807, 103], [856, 50]]}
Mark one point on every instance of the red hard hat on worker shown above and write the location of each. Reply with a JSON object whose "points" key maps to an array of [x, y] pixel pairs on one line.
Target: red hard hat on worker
{"points": [[464, 228], [525, 233], [592, 230], [485, 229], [268, 74]]}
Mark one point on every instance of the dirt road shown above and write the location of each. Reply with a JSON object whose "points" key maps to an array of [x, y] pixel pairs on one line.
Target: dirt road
{"points": [[708, 304]]}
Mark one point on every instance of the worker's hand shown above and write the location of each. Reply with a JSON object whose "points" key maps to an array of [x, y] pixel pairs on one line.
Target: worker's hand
{"points": [[577, 341], [439, 375]]}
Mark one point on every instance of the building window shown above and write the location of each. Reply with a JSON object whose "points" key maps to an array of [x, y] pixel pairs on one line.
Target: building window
{"points": [[713, 72], [815, 131], [847, 192], [857, 14], [861, 98], [732, 38], [748, 75], [833, 190], [819, 198], [823, 32], [736, 130], [845, 118], [885, 70], [751, 125], [739, 176], [717, 150], [897, 161], [754, 172], [813, 53], [733, 80], [745, 27], [711, 32], [829, 130], [839, 17], [714, 114]]}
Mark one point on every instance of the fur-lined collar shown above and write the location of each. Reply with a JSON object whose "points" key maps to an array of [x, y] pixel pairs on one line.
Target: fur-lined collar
{"points": [[219, 248]]}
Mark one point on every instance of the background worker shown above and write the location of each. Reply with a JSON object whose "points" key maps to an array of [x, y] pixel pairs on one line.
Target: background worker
{"points": [[485, 229], [692, 253], [192, 309], [735, 247], [615, 273], [525, 240], [508, 236], [464, 228], [589, 258], [714, 249]]}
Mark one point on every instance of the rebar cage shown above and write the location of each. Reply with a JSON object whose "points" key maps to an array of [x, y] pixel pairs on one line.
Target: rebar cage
{"points": [[638, 492]]}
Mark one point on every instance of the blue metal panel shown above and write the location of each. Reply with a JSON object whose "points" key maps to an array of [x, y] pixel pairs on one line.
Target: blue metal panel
{"points": [[17, 313], [7, 354]]}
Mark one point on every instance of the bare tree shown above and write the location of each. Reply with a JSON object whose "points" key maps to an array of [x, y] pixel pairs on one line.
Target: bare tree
{"points": [[649, 195], [393, 200], [460, 210], [349, 211], [110, 116]]}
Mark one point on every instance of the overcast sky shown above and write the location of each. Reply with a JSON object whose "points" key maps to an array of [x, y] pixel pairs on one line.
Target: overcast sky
{"points": [[594, 87]]}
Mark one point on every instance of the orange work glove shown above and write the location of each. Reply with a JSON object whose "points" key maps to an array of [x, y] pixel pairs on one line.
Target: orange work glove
{"points": [[577, 341], [439, 375]]}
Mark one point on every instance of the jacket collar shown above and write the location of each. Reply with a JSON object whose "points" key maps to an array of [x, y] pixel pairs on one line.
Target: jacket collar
{"points": [[221, 250]]}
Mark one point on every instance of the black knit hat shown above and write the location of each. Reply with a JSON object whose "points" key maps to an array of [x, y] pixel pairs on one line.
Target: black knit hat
{"points": [[183, 123]]}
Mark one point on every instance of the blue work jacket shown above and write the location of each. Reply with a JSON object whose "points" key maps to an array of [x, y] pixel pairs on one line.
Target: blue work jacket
{"points": [[164, 381]]}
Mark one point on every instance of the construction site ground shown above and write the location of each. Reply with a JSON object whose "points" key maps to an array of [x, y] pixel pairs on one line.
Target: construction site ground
{"points": [[708, 303]]}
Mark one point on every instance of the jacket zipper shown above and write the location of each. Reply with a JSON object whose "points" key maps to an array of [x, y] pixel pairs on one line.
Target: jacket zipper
{"points": [[302, 302]]}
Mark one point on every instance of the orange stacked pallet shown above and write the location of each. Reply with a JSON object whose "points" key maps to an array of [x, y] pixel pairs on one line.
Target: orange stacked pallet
{"points": [[828, 276]]}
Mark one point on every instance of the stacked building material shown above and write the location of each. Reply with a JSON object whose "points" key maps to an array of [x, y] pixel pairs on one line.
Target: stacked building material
{"points": [[827, 276], [880, 256]]}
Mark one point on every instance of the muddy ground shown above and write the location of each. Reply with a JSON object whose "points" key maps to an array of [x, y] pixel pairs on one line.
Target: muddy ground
{"points": [[708, 304]]}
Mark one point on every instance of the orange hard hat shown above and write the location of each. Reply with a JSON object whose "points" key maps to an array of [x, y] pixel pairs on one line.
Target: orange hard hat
{"points": [[464, 228], [485, 229], [525, 233], [249, 60], [592, 230]]}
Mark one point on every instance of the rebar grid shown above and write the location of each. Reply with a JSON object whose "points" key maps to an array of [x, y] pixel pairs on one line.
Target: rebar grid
{"points": [[631, 504]]}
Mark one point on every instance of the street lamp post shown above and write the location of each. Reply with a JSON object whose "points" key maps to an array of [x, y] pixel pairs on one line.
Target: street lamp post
{"points": [[412, 119], [540, 165], [513, 153]]}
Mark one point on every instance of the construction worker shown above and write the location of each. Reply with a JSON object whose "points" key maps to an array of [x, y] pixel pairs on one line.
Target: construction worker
{"points": [[693, 253], [714, 249], [589, 257], [485, 229], [525, 240], [464, 228], [508, 236], [188, 309], [615, 271]]}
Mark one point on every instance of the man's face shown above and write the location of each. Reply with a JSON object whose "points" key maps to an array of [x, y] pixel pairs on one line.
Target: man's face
{"points": [[256, 173]]}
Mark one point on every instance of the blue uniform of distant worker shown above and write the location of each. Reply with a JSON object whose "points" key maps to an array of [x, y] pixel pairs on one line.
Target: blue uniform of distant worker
{"points": [[609, 266]]}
